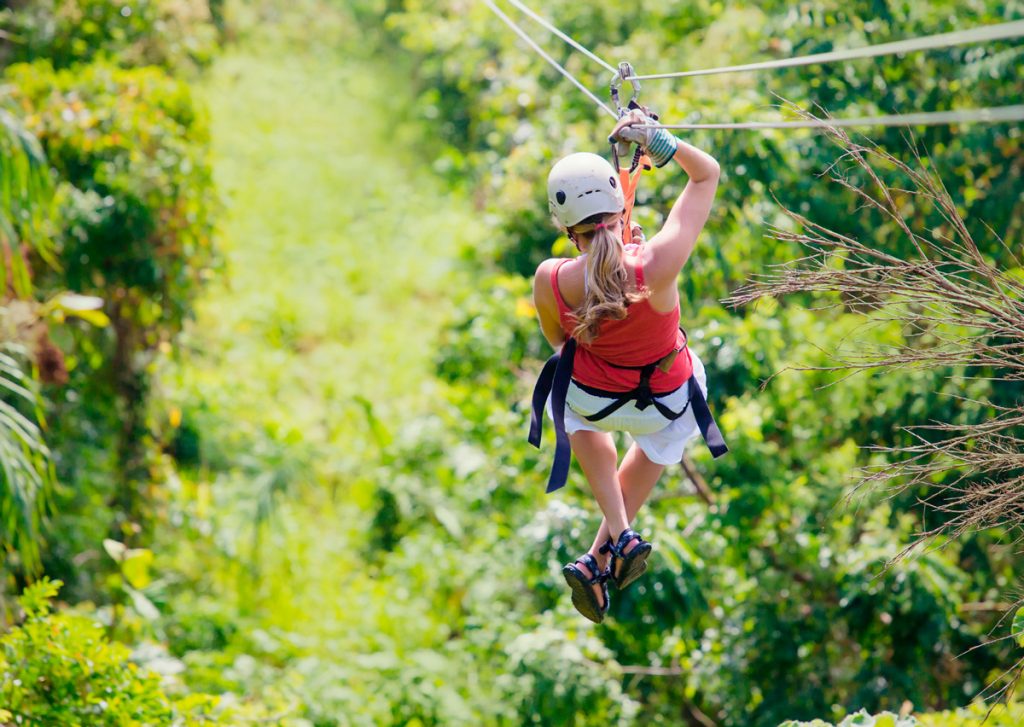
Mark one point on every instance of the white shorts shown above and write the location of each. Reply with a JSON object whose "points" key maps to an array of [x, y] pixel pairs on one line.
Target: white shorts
{"points": [[663, 441]]}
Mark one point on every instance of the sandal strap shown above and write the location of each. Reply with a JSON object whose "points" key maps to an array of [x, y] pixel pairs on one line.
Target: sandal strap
{"points": [[626, 537], [595, 573]]}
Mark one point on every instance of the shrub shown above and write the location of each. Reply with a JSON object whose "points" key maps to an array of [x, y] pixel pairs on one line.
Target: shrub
{"points": [[60, 669]]}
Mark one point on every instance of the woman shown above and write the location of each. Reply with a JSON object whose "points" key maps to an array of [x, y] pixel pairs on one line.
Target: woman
{"points": [[613, 315]]}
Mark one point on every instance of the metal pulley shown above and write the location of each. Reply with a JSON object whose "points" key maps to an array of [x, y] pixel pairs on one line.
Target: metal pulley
{"points": [[625, 73]]}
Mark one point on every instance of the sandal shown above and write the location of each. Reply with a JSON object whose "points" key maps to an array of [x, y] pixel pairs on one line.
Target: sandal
{"points": [[583, 596], [631, 565]]}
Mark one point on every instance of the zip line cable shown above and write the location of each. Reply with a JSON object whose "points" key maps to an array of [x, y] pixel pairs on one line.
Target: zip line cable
{"points": [[1000, 31], [997, 114], [563, 36], [992, 114], [522, 34]]}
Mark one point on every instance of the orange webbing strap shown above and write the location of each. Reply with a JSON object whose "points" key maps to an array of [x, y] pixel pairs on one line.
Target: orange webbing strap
{"points": [[629, 184]]}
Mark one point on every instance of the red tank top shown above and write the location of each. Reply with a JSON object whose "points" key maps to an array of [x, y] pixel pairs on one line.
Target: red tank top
{"points": [[642, 337]]}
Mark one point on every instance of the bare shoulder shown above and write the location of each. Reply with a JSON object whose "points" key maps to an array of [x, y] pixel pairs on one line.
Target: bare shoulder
{"points": [[542, 279], [545, 268]]}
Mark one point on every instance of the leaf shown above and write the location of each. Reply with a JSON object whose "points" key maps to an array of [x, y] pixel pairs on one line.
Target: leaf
{"points": [[95, 317], [1017, 628], [76, 303], [135, 567], [86, 307], [115, 549], [35, 599], [142, 605]]}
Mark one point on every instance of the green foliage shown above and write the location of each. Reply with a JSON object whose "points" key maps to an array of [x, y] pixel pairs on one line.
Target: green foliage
{"points": [[348, 527], [60, 669], [130, 33], [130, 146], [26, 196], [977, 714], [26, 476]]}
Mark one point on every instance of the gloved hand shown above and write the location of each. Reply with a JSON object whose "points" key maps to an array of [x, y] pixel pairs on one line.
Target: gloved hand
{"points": [[637, 127]]}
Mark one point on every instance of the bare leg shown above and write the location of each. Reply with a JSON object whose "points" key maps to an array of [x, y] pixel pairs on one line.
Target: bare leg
{"points": [[598, 458], [637, 477], [596, 454]]}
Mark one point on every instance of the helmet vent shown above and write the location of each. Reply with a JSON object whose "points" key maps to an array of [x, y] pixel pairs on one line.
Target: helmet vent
{"points": [[611, 181], [560, 196]]}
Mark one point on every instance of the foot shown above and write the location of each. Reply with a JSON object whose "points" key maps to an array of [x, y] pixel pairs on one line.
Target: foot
{"points": [[633, 542], [589, 585], [629, 557], [600, 589]]}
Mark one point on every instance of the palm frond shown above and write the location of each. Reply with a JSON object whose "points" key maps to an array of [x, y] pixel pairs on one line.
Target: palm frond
{"points": [[26, 474]]}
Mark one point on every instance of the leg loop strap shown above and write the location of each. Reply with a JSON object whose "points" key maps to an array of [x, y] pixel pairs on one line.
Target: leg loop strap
{"points": [[554, 380]]}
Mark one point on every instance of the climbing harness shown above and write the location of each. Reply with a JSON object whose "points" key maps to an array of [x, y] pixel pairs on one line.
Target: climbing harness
{"points": [[554, 380]]}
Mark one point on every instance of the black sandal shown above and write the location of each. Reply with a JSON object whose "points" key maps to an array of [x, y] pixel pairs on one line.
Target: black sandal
{"points": [[633, 563], [583, 596]]}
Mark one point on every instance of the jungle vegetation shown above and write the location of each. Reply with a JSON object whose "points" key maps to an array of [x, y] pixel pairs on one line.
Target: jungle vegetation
{"points": [[268, 345]]}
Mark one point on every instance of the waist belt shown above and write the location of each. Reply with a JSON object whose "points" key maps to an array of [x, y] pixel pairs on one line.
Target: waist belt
{"points": [[554, 380]]}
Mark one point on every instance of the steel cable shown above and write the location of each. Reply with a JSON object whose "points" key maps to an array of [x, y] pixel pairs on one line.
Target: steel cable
{"points": [[522, 34], [1000, 31], [997, 114], [562, 35]]}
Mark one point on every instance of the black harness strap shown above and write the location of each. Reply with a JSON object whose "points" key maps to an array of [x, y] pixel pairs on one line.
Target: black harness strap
{"points": [[554, 380], [642, 395]]}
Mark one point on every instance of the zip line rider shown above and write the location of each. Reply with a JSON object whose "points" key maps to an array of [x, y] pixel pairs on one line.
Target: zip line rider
{"points": [[612, 314]]}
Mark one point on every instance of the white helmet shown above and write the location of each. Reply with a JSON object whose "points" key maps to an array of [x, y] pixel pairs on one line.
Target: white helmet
{"points": [[581, 185]]}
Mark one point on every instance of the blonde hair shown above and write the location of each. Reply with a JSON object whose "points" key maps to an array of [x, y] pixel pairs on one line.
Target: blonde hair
{"points": [[606, 296]]}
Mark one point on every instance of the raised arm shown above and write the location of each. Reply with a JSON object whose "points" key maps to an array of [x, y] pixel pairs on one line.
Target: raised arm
{"points": [[671, 247]]}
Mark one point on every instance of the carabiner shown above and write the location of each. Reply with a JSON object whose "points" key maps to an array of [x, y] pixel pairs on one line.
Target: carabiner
{"points": [[625, 72]]}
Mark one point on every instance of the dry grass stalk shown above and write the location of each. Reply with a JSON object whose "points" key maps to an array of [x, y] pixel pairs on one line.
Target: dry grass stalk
{"points": [[959, 310]]}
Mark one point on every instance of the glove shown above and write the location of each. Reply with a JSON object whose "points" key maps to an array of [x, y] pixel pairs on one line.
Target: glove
{"points": [[636, 127]]}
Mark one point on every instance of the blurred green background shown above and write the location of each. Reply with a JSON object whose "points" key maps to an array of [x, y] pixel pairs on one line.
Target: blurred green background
{"points": [[268, 342]]}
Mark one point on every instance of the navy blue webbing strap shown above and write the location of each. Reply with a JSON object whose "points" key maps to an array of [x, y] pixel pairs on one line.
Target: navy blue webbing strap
{"points": [[554, 379], [708, 428], [540, 395]]}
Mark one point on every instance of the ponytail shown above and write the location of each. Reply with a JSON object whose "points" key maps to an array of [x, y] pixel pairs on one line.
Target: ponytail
{"points": [[606, 296]]}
